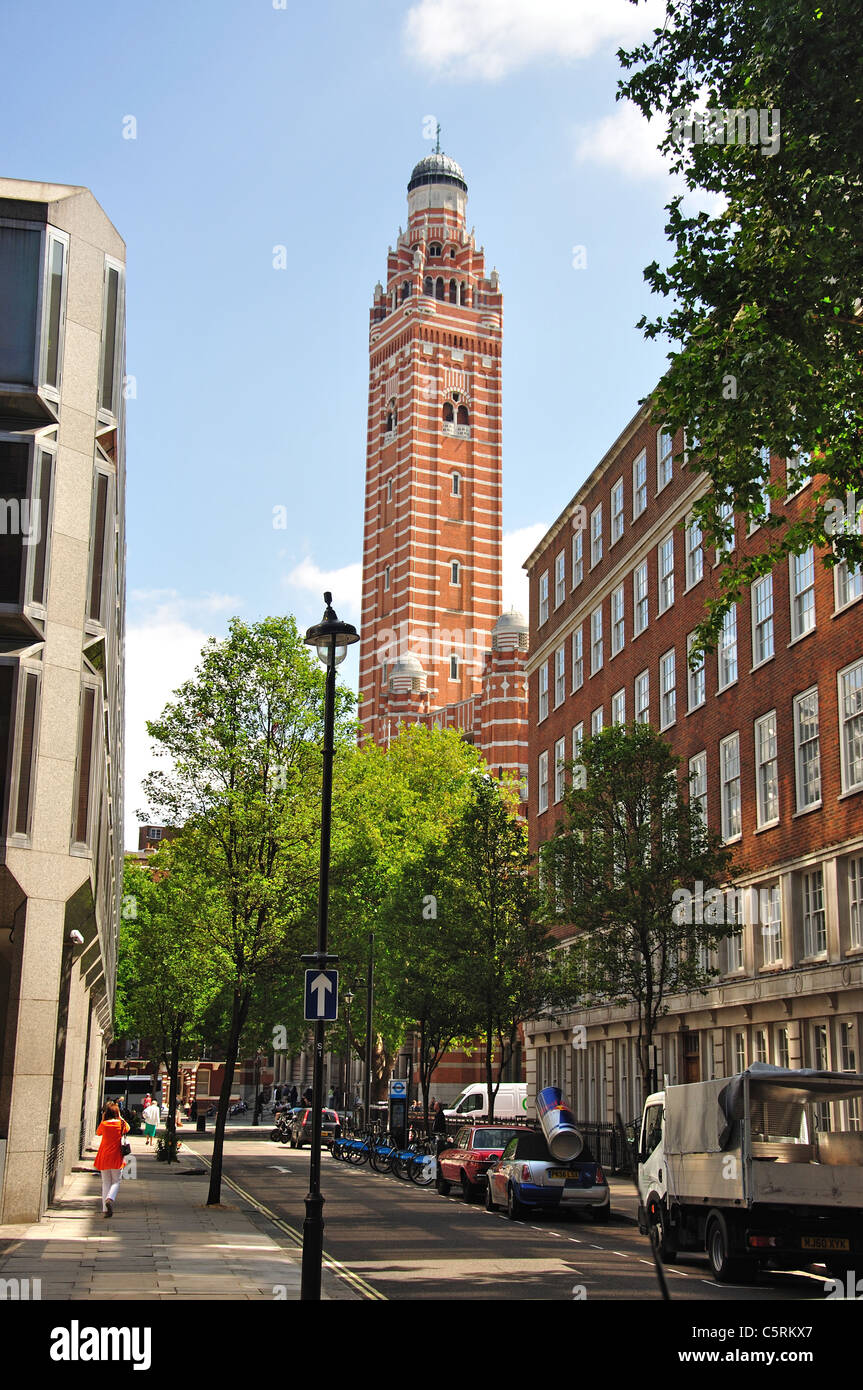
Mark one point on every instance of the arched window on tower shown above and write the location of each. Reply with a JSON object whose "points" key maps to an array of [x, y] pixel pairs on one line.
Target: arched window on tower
{"points": [[438, 289], [390, 420], [462, 293], [456, 485], [428, 286], [463, 417], [453, 668], [448, 418], [434, 248], [453, 292], [454, 572], [406, 289]]}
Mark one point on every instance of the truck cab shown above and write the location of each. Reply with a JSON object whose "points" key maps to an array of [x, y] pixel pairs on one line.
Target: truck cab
{"points": [[653, 1175]]}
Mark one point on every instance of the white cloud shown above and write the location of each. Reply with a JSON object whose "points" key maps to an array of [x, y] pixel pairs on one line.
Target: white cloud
{"points": [[516, 547], [345, 584], [488, 39], [165, 633]]}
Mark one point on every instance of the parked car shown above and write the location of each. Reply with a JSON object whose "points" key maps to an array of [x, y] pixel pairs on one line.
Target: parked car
{"points": [[526, 1178], [475, 1149], [301, 1127]]}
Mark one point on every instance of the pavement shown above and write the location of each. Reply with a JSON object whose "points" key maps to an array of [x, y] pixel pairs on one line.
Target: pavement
{"points": [[162, 1242]]}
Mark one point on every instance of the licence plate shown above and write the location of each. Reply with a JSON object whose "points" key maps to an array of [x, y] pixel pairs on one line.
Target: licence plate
{"points": [[825, 1243], [560, 1172]]}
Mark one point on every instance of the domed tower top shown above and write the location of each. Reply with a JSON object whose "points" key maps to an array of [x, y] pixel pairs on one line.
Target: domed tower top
{"points": [[437, 181], [511, 632]]}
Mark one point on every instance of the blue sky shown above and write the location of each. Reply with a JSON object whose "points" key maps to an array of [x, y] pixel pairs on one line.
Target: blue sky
{"points": [[259, 126]]}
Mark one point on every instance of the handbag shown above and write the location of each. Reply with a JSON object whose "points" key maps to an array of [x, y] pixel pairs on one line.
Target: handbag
{"points": [[125, 1146]]}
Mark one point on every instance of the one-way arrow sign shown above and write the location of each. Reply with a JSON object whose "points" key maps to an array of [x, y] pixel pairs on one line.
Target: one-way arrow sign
{"points": [[322, 995]]}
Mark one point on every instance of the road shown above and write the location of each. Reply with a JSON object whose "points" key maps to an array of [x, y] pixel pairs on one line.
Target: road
{"points": [[393, 1240]]}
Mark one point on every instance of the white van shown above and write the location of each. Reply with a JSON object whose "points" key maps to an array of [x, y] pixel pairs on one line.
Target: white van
{"points": [[509, 1103]]}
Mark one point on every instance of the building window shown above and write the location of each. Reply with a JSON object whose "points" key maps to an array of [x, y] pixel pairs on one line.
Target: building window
{"points": [[20, 256], [577, 558], [596, 536], [766, 770], [639, 484], [386, 577], [559, 762], [667, 690], [762, 620], [666, 573], [543, 691], [618, 632], [642, 698], [855, 901], [595, 641], [783, 1050], [694, 552], [695, 675], [543, 782], [847, 1050], [560, 579], [729, 764], [618, 707], [735, 942], [578, 773], [456, 485], [739, 1052], [849, 584], [54, 311], [725, 545], [814, 916], [112, 334], [543, 597], [617, 511], [389, 489], [98, 545], [698, 784], [728, 649], [761, 1054], [559, 676], [664, 457], [597, 720], [851, 725], [802, 592], [639, 598], [454, 572], [88, 732], [807, 746], [770, 918], [577, 659], [453, 668]]}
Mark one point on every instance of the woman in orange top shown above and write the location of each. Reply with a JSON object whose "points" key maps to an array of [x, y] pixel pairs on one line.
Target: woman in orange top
{"points": [[109, 1160]]}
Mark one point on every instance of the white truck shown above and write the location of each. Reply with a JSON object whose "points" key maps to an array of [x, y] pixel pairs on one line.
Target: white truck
{"points": [[765, 1167]]}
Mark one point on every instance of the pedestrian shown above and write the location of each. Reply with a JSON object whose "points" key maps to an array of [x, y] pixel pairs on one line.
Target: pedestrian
{"points": [[293, 1096], [109, 1160], [307, 1096], [151, 1120], [439, 1126], [193, 1110]]}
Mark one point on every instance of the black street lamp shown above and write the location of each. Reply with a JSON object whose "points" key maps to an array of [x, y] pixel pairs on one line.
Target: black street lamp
{"points": [[332, 639], [348, 997]]}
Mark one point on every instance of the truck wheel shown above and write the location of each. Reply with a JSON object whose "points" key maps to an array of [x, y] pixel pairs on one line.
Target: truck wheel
{"points": [[660, 1238], [725, 1269]]}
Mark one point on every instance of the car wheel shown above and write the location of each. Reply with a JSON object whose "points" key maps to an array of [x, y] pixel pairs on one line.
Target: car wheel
{"points": [[601, 1214], [514, 1208], [442, 1185], [660, 1238], [469, 1190], [490, 1204]]}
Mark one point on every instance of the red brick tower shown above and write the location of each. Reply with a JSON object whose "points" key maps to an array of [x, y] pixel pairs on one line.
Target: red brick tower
{"points": [[432, 543]]}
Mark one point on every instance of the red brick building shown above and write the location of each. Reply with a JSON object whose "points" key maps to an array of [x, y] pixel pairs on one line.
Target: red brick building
{"points": [[436, 648], [772, 728]]}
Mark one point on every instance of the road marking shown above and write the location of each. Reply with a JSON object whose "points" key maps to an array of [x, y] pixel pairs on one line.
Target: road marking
{"points": [[328, 1261]]}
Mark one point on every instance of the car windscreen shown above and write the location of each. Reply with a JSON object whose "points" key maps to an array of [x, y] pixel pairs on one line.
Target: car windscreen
{"points": [[492, 1138], [533, 1146]]}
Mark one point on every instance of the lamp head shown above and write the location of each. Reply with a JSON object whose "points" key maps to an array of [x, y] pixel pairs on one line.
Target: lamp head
{"points": [[331, 635]]}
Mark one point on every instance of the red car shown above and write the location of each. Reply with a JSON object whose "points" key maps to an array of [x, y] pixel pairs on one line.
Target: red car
{"points": [[476, 1148]]}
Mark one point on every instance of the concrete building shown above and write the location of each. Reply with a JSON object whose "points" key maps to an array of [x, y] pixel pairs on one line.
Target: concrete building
{"points": [[771, 726], [62, 478]]}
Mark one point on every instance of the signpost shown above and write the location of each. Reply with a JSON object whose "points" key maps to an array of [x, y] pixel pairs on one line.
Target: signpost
{"points": [[322, 995]]}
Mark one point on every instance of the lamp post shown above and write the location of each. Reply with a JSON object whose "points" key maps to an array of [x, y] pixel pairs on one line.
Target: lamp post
{"points": [[332, 639], [348, 997], [370, 1004]]}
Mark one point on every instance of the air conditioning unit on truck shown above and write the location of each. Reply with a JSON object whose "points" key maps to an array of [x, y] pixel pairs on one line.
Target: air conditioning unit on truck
{"points": [[765, 1167]]}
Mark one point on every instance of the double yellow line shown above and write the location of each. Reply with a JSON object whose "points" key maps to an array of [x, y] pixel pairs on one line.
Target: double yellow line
{"points": [[335, 1266]]}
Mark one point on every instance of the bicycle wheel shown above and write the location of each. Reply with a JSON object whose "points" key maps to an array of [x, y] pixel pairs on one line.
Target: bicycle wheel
{"points": [[423, 1168], [381, 1156]]}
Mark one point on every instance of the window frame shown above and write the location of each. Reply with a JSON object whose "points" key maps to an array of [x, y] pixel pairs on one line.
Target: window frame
{"points": [[596, 641], [559, 578], [618, 621], [723, 646], [667, 693], [639, 484], [758, 624], [617, 521], [544, 607], [642, 681], [665, 578], [640, 601], [559, 676], [542, 782], [762, 819], [559, 769], [795, 594], [693, 674], [730, 814], [577, 656], [801, 806], [692, 527], [542, 692], [577, 559], [53, 235], [596, 537], [849, 788], [664, 460], [111, 413]]}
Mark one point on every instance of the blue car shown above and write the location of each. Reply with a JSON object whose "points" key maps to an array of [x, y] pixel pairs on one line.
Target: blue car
{"points": [[526, 1179]]}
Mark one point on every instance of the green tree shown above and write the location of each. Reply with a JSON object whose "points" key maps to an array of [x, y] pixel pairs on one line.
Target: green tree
{"points": [[244, 740], [165, 975], [628, 867], [508, 964], [765, 316]]}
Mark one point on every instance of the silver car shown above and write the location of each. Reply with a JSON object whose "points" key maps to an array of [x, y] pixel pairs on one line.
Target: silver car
{"points": [[526, 1178]]}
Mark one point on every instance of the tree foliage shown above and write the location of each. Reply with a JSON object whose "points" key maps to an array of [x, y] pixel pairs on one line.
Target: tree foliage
{"points": [[765, 314], [629, 838]]}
